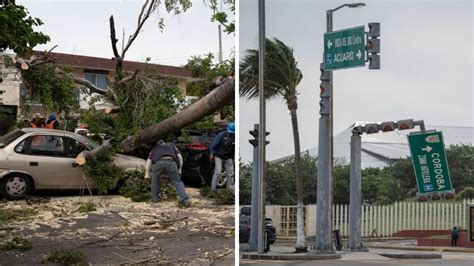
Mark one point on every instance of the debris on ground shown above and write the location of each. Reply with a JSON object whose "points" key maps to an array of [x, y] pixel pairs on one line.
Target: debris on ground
{"points": [[116, 230]]}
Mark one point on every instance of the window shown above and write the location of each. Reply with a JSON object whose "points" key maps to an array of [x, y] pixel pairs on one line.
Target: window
{"points": [[100, 80], [10, 137], [47, 145], [21, 147], [74, 147]]}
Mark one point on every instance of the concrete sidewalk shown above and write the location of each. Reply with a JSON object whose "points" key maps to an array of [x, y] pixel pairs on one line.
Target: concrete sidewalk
{"points": [[383, 250]]}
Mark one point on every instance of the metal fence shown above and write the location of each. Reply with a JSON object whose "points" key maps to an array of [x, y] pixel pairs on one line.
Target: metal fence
{"points": [[377, 220]]}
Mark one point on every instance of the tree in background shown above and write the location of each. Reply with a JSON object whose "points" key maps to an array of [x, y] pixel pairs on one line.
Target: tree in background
{"points": [[17, 28], [282, 77], [379, 186]]}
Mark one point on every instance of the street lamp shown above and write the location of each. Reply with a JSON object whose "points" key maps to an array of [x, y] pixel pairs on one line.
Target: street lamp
{"points": [[325, 154]]}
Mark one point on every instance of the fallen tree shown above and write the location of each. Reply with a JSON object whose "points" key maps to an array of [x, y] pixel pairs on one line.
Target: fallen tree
{"points": [[212, 102]]}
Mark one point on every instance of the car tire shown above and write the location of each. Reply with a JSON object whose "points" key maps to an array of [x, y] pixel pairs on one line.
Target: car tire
{"points": [[15, 186]]}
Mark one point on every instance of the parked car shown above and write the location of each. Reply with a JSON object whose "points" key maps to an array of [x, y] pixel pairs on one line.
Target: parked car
{"points": [[197, 163], [244, 227], [40, 159]]}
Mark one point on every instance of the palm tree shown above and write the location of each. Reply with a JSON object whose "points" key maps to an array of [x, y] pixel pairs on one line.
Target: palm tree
{"points": [[282, 76]]}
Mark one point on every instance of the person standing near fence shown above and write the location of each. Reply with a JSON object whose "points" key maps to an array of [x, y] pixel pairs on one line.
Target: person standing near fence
{"points": [[454, 236]]}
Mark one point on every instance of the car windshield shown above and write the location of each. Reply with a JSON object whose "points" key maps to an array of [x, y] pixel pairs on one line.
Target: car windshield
{"points": [[10, 137], [90, 142]]}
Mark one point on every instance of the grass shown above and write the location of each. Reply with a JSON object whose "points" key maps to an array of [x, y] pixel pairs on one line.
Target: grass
{"points": [[7, 215], [222, 197], [65, 257], [86, 207], [16, 243]]}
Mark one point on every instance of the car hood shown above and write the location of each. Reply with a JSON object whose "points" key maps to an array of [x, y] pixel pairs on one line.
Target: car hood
{"points": [[129, 162]]}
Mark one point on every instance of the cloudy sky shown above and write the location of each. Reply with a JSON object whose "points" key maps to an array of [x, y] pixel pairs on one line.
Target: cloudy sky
{"points": [[82, 27], [426, 66]]}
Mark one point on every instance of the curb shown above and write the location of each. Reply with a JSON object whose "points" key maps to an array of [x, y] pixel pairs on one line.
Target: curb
{"points": [[411, 256], [289, 256], [405, 248], [421, 248]]}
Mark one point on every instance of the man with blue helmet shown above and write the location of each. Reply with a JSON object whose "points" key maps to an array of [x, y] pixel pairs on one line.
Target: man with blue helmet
{"points": [[222, 151]]}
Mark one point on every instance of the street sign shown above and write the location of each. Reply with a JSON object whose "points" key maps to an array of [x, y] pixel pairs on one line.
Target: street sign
{"points": [[429, 162], [344, 48]]}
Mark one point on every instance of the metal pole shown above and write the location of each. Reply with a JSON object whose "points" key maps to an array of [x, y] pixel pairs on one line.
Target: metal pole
{"points": [[324, 191], [220, 44], [262, 130], [255, 185], [355, 206]]}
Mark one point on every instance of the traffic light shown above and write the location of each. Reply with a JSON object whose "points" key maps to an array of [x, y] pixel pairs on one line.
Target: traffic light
{"points": [[371, 128], [388, 126], [373, 45], [254, 133], [325, 90], [405, 124]]}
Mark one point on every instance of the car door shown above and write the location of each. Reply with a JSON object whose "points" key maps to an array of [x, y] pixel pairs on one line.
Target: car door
{"points": [[76, 178], [46, 161]]}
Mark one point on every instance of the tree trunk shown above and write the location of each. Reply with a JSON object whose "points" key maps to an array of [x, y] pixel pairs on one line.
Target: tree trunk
{"points": [[84, 156], [212, 102], [300, 240]]}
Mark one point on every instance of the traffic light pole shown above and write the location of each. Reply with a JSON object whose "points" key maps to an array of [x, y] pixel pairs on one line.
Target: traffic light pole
{"points": [[262, 123], [355, 203], [253, 241], [324, 190]]}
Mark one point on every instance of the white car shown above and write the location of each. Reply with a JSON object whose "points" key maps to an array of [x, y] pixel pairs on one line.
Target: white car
{"points": [[37, 158]]}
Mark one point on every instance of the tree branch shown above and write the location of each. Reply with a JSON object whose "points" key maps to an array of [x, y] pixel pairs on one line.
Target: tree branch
{"points": [[144, 15], [208, 104], [113, 39], [131, 77]]}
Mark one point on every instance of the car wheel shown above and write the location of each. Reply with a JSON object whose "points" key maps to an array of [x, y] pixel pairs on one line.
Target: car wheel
{"points": [[15, 186], [221, 181]]}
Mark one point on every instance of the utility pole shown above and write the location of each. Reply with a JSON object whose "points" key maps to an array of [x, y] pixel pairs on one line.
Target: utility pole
{"points": [[262, 128]]}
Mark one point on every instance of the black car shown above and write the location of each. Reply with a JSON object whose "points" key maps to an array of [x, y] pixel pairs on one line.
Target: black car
{"points": [[244, 227], [197, 167]]}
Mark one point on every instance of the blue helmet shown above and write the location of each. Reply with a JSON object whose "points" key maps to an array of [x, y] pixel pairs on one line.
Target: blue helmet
{"points": [[231, 128]]}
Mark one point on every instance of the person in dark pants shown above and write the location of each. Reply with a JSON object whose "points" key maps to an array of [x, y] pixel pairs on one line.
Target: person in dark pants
{"points": [[222, 152], [166, 158], [454, 236]]}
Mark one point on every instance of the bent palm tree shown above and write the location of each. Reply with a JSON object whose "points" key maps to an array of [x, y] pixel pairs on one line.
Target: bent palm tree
{"points": [[282, 76]]}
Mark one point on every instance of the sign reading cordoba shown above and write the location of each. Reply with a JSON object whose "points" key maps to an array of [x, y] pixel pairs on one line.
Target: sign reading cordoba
{"points": [[344, 48], [429, 162]]}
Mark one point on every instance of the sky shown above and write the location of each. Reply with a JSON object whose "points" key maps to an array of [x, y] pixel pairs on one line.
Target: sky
{"points": [[82, 27], [426, 67]]}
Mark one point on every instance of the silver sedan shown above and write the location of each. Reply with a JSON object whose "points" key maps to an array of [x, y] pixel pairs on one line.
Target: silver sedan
{"points": [[38, 159]]}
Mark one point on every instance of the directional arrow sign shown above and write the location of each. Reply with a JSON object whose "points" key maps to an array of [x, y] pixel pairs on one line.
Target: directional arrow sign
{"points": [[429, 162], [344, 48]]}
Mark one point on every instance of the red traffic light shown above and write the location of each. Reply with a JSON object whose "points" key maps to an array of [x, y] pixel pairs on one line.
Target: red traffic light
{"points": [[388, 126], [405, 124]]}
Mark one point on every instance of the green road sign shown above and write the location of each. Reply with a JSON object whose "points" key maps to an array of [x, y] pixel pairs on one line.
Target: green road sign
{"points": [[429, 161], [344, 48]]}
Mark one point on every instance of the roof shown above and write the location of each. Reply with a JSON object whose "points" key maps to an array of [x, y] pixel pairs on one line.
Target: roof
{"points": [[382, 149], [98, 63]]}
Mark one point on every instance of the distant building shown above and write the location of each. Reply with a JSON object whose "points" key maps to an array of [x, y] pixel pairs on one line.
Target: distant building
{"points": [[97, 70], [94, 69], [383, 149], [10, 83]]}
